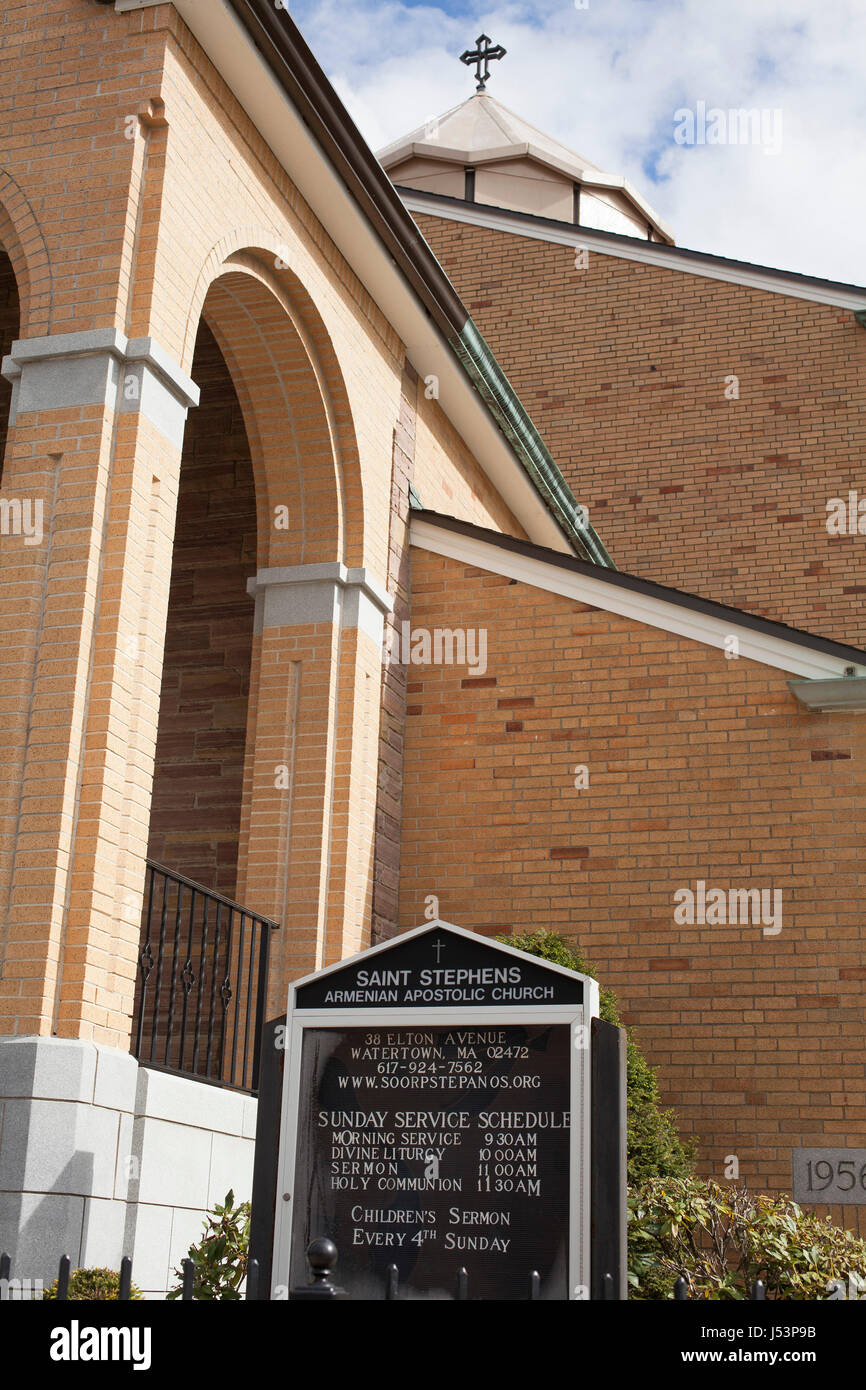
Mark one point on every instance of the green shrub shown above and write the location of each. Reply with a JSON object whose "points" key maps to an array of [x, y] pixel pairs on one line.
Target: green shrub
{"points": [[220, 1256], [721, 1239], [101, 1285], [654, 1145]]}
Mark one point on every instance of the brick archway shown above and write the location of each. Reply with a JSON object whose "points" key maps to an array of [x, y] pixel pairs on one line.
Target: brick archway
{"points": [[296, 407], [306, 759], [24, 244]]}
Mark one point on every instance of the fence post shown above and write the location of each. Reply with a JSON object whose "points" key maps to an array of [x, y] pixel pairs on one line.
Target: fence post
{"points": [[392, 1282], [125, 1289], [252, 1279], [63, 1278], [681, 1290], [462, 1295], [608, 1190], [534, 1285], [188, 1281], [321, 1257], [272, 1054], [759, 1291], [5, 1272]]}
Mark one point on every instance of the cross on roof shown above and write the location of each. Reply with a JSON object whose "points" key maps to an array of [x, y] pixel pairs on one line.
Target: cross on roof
{"points": [[482, 53]]}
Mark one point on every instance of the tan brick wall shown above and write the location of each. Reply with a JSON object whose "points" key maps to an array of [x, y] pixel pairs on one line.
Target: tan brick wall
{"points": [[622, 367], [699, 768]]}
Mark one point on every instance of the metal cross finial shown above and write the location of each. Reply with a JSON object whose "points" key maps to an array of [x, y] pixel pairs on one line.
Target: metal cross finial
{"points": [[482, 53], [438, 947]]}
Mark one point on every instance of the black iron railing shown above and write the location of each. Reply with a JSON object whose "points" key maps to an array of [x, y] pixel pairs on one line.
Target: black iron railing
{"points": [[28, 1290], [203, 969]]}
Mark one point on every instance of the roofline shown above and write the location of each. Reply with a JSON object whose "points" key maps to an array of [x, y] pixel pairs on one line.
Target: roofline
{"points": [[836, 292], [587, 178], [283, 48], [402, 141], [327, 126], [646, 588]]}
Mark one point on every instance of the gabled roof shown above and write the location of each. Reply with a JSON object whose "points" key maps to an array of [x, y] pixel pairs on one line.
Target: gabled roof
{"points": [[642, 600], [481, 130]]}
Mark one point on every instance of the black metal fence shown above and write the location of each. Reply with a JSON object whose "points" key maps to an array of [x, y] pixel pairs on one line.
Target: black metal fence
{"points": [[322, 1259], [200, 994], [17, 1289], [757, 1293]]}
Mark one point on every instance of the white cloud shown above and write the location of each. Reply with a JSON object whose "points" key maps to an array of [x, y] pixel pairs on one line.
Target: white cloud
{"points": [[607, 81]]}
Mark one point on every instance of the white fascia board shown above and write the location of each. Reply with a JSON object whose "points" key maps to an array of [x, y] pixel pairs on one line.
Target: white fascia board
{"points": [[648, 609], [831, 696], [228, 47], [648, 253]]}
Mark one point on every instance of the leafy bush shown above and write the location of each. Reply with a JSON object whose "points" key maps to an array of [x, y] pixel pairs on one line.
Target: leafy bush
{"points": [[721, 1239], [654, 1145], [94, 1284], [220, 1257]]}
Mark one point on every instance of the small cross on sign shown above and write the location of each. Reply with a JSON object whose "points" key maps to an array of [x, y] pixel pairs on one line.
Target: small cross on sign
{"points": [[438, 947], [482, 53]]}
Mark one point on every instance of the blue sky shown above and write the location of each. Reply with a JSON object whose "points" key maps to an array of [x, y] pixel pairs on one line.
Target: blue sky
{"points": [[608, 79]]}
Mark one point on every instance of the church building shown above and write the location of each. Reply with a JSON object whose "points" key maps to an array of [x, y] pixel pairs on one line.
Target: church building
{"points": [[507, 573]]}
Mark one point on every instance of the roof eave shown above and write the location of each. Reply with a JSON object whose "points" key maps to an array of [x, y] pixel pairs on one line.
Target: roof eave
{"points": [[262, 56]]}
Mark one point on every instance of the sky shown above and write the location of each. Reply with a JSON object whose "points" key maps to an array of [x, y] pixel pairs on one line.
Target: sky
{"points": [[612, 79]]}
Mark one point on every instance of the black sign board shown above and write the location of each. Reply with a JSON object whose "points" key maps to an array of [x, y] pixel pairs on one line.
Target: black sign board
{"points": [[470, 1169], [435, 1122]]}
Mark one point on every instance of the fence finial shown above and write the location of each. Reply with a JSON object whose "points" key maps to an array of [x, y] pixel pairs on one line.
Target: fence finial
{"points": [[321, 1257]]}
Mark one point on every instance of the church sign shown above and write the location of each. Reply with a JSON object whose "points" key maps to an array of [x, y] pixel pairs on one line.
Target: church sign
{"points": [[436, 1121]]}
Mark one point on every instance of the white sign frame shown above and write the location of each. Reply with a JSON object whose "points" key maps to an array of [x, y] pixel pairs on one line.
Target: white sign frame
{"points": [[578, 1017]]}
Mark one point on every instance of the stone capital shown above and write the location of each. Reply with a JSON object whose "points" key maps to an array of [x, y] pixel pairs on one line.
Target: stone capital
{"points": [[295, 595], [100, 367]]}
